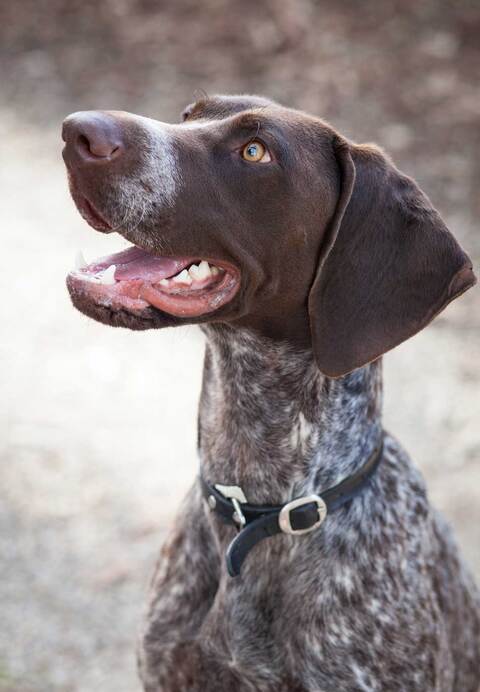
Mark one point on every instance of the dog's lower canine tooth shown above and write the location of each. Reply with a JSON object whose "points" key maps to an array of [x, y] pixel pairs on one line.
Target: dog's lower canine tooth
{"points": [[108, 276]]}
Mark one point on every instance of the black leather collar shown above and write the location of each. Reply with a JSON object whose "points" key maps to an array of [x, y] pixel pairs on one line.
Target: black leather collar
{"points": [[302, 515]]}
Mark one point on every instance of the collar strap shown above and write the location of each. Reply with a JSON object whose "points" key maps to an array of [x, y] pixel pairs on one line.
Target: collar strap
{"points": [[299, 516]]}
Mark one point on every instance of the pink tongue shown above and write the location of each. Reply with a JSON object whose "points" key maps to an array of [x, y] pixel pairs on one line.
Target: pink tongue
{"points": [[151, 268], [135, 263]]}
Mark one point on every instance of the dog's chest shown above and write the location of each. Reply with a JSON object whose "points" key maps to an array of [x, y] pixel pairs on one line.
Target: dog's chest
{"points": [[352, 605], [328, 628]]}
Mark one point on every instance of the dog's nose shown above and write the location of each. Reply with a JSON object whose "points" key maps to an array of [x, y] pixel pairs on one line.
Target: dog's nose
{"points": [[93, 136]]}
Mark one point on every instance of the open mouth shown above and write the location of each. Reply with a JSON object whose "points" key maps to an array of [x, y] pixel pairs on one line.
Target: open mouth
{"points": [[135, 279]]}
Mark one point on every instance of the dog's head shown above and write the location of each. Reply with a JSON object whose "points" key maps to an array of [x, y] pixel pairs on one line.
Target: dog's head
{"points": [[259, 216]]}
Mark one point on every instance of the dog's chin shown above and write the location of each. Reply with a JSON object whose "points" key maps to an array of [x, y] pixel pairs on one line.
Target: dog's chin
{"points": [[138, 290], [140, 321]]}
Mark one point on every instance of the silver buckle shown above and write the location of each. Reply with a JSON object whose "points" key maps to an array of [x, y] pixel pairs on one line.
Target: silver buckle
{"points": [[284, 516], [237, 496]]}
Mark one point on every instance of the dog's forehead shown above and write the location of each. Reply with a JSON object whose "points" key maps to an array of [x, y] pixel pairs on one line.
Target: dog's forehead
{"points": [[220, 107], [221, 114]]}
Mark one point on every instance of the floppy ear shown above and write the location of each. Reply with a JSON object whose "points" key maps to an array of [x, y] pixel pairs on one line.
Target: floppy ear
{"points": [[387, 267]]}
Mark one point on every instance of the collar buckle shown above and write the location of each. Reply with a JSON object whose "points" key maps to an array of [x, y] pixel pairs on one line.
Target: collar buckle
{"points": [[284, 518], [237, 497]]}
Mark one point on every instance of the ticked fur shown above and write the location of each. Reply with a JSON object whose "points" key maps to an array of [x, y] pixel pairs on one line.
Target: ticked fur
{"points": [[374, 600]]}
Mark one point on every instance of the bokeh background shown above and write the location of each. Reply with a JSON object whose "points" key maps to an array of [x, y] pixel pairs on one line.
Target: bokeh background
{"points": [[97, 431]]}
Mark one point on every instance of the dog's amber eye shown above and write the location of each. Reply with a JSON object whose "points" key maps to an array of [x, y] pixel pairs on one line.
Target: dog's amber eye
{"points": [[256, 152]]}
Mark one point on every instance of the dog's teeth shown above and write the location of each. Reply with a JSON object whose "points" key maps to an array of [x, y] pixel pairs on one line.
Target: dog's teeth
{"points": [[108, 278], [164, 282], [80, 261], [178, 278], [215, 271], [203, 270], [193, 271], [183, 278]]}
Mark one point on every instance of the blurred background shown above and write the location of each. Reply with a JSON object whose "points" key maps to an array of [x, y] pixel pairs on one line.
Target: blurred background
{"points": [[97, 429]]}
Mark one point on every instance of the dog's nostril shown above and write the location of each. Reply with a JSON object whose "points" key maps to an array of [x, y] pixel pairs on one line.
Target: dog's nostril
{"points": [[98, 146], [83, 143]]}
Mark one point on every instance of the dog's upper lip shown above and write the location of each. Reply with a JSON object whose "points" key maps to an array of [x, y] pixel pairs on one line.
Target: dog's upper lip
{"points": [[92, 215], [87, 209]]}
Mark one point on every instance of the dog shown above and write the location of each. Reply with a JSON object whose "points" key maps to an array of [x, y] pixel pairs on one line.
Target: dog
{"points": [[306, 557]]}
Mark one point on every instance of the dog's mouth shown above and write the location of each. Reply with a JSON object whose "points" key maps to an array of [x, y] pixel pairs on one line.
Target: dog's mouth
{"points": [[135, 279]]}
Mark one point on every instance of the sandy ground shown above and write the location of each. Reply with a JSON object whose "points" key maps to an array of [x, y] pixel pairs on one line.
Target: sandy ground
{"points": [[97, 426]]}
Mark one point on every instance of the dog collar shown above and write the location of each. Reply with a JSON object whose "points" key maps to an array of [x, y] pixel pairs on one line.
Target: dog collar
{"points": [[297, 517]]}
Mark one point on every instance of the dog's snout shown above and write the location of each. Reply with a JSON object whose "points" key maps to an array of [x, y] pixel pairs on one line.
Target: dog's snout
{"points": [[93, 136]]}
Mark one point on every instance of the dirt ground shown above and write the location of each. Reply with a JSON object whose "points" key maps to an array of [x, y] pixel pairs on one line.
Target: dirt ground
{"points": [[97, 426]]}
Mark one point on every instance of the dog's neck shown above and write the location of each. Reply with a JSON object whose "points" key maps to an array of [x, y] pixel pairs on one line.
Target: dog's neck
{"points": [[271, 423]]}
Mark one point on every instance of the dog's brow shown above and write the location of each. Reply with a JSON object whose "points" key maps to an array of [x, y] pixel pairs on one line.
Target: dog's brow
{"points": [[248, 120], [255, 135]]}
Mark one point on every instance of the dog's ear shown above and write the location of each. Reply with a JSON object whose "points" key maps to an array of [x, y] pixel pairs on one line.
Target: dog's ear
{"points": [[388, 264]]}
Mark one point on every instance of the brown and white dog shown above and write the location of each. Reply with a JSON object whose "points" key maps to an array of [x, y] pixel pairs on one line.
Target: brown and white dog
{"points": [[304, 257]]}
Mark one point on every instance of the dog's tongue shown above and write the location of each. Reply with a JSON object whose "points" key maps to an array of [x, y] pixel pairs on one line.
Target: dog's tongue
{"points": [[135, 263]]}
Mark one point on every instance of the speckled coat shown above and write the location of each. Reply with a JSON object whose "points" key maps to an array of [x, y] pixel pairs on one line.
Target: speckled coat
{"points": [[375, 600], [330, 258]]}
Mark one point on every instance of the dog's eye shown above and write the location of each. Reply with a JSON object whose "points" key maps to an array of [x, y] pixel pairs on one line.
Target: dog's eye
{"points": [[256, 152]]}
